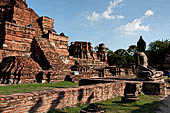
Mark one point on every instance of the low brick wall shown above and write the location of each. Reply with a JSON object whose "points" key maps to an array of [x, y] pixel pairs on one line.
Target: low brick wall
{"points": [[49, 100]]}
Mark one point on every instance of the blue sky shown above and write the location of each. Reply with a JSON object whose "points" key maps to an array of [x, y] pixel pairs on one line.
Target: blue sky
{"points": [[117, 23]]}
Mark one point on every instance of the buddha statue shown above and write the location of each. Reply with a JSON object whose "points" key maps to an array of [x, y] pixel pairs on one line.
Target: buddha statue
{"points": [[143, 70]]}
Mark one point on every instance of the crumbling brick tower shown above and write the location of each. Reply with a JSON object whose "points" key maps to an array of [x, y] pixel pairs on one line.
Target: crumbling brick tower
{"points": [[23, 33], [101, 53]]}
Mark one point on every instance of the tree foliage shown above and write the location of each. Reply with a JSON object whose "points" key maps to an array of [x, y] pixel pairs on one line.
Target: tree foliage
{"points": [[119, 57], [96, 48], [157, 51], [159, 45], [132, 49]]}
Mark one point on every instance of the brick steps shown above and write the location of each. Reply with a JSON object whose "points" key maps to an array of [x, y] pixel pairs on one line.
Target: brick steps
{"points": [[49, 52]]}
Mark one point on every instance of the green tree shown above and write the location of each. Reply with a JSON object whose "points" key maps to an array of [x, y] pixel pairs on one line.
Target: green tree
{"points": [[157, 51], [121, 52], [132, 49], [119, 57], [96, 48], [110, 55], [159, 45]]}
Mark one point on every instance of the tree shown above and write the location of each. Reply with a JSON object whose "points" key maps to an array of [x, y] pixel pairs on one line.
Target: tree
{"points": [[159, 45], [132, 49], [110, 56], [121, 52], [119, 57], [96, 48], [157, 51]]}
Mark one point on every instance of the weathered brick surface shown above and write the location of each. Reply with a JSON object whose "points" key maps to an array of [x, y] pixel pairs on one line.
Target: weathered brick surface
{"points": [[101, 53], [18, 70], [154, 88], [19, 25], [59, 43], [49, 53], [49, 100], [137, 87], [46, 24]]}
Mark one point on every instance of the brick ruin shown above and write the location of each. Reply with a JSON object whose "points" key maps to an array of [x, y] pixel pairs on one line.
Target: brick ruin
{"points": [[50, 100], [84, 50], [32, 52], [25, 35]]}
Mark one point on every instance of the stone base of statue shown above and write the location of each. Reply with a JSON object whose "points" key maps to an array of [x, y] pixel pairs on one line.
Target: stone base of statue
{"points": [[148, 74], [129, 98], [144, 71]]}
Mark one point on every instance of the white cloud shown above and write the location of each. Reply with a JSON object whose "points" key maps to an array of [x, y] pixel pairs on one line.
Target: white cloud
{"points": [[108, 13], [94, 17], [149, 13], [136, 25], [115, 3]]}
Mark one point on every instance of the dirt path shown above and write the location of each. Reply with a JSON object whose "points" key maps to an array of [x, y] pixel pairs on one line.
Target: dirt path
{"points": [[165, 104]]}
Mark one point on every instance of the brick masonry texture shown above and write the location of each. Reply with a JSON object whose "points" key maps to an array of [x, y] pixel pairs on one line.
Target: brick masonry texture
{"points": [[23, 33], [49, 100], [16, 68], [26, 35]]}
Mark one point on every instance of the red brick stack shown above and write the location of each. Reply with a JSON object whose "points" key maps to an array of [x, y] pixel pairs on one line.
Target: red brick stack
{"points": [[17, 69]]}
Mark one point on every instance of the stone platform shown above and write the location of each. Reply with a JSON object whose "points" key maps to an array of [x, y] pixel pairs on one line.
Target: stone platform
{"points": [[133, 85]]}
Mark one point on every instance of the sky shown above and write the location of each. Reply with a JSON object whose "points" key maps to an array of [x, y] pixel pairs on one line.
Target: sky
{"points": [[117, 23]]}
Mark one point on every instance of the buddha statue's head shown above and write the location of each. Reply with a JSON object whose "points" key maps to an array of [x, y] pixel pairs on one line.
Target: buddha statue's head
{"points": [[141, 45]]}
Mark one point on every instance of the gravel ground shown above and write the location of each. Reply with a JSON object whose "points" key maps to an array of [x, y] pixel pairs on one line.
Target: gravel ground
{"points": [[165, 103]]}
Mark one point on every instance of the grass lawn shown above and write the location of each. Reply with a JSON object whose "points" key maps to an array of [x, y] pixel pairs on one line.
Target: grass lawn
{"points": [[147, 104], [23, 88]]}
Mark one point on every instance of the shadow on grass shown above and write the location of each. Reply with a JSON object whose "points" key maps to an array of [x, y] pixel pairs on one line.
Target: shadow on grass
{"points": [[146, 108], [163, 106], [148, 104], [117, 102], [151, 107]]}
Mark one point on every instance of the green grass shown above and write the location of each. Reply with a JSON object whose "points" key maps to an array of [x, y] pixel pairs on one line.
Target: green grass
{"points": [[23, 88], [147, 104]]}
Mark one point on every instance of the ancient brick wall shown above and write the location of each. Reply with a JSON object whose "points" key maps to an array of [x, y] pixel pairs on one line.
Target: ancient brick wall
{"points": [[14, 70], [91, 68], [46, 24], [19, 26], [94, 63], [49, 100], [154, 88], [55, 63], [18, 40], [4, 2], [139, 87], [101, 53], [59, 43], [83, 50]]}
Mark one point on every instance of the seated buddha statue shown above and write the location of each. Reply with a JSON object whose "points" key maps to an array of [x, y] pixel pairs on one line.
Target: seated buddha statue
{"points": [[143, 70]]}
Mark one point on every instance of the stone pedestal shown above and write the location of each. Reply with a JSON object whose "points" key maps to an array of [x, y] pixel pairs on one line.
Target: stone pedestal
{"points": [[92, 108], [154, 88], [129, 98], [130, 92], [145, 87]]}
